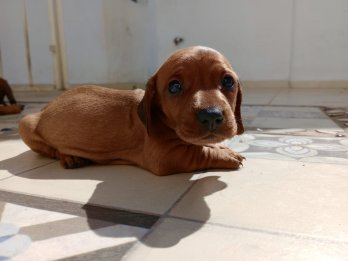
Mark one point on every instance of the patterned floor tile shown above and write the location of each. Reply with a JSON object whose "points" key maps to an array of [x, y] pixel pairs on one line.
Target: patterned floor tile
{"points": [[313, 149]]}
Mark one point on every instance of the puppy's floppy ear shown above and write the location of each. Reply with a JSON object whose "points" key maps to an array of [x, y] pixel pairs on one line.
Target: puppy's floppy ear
{"points": [[146, 104], [237, 112]]}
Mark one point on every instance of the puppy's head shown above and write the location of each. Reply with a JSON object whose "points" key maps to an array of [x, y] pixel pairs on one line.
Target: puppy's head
{"points": [[197, 94]]}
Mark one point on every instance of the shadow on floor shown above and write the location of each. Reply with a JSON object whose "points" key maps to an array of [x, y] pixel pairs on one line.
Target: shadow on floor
{"points": [[120, 190]]}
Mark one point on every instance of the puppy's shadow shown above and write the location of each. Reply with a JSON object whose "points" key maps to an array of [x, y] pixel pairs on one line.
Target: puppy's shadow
{"points": [[138, 197]]}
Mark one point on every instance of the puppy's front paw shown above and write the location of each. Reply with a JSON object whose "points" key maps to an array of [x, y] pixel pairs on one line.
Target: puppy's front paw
{"points": [[234, 159]]}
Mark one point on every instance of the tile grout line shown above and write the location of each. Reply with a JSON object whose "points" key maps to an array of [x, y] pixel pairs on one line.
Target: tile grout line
{"points": [[269, 232], [25, 171], [85, 210], [166, 213], [67, 201], [113, 208]]}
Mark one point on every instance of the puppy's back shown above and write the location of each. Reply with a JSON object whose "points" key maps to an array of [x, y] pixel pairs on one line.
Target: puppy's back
{"points": [[92, 119]]}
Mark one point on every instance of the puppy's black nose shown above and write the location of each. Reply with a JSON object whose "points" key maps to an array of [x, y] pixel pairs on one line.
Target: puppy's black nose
{"points": [[211, 118]]}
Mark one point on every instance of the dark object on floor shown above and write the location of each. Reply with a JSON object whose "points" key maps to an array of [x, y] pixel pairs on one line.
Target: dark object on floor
{"points": [[340, 116], [5, 91]]}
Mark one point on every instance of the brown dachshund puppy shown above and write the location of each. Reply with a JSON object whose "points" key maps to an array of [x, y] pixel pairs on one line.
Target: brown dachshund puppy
{"points": [[191, 103]]}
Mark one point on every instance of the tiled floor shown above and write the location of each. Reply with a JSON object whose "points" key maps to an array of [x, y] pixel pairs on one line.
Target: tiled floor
{"points": [[288, 202]]}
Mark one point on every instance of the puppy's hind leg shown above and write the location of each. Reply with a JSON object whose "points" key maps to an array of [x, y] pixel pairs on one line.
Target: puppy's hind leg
{"points": [[73, 162], [27, 131]]}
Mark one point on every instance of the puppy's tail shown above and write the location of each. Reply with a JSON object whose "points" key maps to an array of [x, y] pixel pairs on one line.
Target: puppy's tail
{"points": [[27, 131]]}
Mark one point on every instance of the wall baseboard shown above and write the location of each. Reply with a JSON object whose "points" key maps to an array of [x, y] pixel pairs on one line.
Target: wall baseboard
{"points": [[265, 84], [319, 84], [38, 87], [296, 84]]}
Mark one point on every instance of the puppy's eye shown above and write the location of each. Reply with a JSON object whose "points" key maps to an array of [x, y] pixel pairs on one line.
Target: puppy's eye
{"points": [[174, 87], [227, 82]]}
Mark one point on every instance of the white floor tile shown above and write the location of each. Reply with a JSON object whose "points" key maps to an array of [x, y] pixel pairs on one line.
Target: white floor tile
{"points": [[182, 240], [16, 157], [124, 187], [80, 243], [275, 195], [22, 216]]}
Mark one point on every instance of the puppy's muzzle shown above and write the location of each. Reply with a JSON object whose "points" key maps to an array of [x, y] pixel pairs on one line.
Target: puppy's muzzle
{"points": [[210, 118]]}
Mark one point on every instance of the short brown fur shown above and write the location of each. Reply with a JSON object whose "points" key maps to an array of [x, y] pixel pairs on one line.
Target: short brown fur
{"points": [[155, 130]]}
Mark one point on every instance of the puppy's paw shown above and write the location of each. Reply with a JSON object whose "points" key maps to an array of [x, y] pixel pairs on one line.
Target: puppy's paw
{"points": [[234, 158], [73, 162]]}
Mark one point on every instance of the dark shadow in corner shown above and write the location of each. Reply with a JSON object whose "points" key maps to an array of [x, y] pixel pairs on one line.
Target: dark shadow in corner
{"points": [[124, 186]]}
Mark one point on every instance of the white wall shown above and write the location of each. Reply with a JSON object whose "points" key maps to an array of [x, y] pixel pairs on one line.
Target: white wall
{"points": [[109, 41], [14, 55], [39, 29], [105, 41], [12, 42], [293, 40], [320, 50], [255, 37]]}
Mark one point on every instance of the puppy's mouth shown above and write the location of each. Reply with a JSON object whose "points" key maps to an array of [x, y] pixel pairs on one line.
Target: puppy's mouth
{"points": [[212, 138], [199, 136], [209, 138]]}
